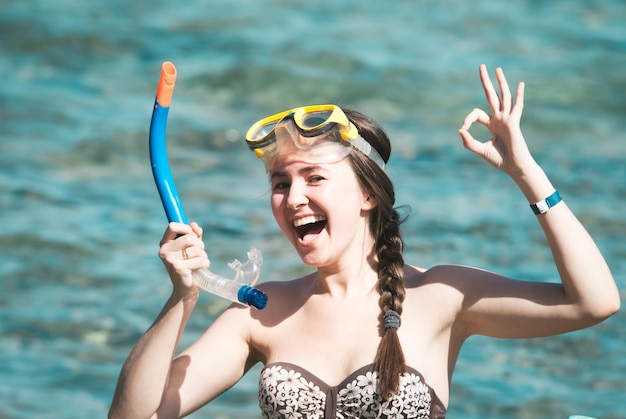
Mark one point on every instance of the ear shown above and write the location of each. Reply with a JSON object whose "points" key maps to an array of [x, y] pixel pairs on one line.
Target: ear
{"points": [[369, 203]]}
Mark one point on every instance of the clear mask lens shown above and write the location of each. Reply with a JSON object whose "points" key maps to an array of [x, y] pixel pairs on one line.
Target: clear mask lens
{"points": [[324, 148], [314, 120], [318, 133]]}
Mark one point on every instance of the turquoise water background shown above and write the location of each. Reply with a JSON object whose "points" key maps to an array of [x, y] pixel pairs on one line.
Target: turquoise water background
{"points": [[80, 217]]}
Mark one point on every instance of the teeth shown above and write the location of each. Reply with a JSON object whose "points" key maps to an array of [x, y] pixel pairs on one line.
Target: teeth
{"points": [[308, 220]]}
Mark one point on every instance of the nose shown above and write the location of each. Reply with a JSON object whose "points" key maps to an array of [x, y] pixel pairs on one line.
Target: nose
{"points": [[296, 196]]}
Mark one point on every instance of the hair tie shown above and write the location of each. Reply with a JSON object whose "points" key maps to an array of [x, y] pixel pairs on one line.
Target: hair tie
{"points": [[391, 319]]}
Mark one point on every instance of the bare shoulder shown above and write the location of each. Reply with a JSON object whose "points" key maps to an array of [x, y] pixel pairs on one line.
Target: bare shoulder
{"points": [[283, 299], [267, 326], [459, 277], [439, 284], [446, 289], [280, 293], [286, 286], [282, 296], [439, 276]]}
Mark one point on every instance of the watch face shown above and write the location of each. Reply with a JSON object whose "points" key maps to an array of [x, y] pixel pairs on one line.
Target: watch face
{"points": [[542, 206]]}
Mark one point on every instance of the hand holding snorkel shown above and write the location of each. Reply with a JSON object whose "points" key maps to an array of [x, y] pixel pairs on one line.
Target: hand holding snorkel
{"points": [[240, 289]]}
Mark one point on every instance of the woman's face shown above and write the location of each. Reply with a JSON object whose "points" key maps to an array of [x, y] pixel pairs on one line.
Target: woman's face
{"points": [[321, 209]]}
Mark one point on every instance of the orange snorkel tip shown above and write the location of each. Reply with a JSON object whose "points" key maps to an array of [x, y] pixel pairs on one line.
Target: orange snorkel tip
{"points": [[166, 84]]}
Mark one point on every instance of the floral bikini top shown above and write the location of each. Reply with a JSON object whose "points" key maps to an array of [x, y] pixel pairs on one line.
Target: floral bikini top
{"points": [[288, 391]]}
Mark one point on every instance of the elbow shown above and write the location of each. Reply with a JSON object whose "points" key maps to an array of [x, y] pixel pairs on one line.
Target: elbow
{"points": [[614, 306], [601, 311], [613, 303]]}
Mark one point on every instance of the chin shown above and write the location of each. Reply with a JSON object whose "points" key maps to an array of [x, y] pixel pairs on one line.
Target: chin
{"points": [[310, 259]]}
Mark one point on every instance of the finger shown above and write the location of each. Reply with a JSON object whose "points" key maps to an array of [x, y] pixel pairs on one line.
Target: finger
{"points": [[505, 92], [196, 229], [177, 230], [198, 262], [191, 251], [180, 228], [476, 115], [490, 92], [174, 230], [519, 99], [195, 257]]}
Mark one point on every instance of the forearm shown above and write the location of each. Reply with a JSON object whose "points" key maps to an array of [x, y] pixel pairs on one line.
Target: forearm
{"points": [[587, 280], [145, 373]]}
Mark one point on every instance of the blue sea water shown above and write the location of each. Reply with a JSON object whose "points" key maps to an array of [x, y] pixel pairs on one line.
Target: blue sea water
{"points": [[80, 218]]}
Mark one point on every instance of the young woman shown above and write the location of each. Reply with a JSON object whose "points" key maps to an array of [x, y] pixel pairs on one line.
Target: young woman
{"points": [[365, 335]]}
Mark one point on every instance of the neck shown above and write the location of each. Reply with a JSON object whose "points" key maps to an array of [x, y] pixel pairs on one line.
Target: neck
{"points": [[355, 276], [354, 271]]}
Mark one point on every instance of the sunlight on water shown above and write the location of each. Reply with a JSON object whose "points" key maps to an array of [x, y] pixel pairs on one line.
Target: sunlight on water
{"points": [[81, 219]]}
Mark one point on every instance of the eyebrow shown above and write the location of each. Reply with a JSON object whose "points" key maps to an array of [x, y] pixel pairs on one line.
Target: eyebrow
{"points": [[304, 170]]}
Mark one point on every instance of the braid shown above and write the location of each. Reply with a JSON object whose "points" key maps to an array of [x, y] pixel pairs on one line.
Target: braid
{"points": [[385, 227], [389, 361]]}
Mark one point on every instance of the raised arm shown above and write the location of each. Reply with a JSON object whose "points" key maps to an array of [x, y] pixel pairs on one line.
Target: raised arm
{"points": [[588, 293], [152, 382]]}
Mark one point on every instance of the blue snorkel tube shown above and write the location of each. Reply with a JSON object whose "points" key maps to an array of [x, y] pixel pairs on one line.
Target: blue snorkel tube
{"points": [[239, 289]]}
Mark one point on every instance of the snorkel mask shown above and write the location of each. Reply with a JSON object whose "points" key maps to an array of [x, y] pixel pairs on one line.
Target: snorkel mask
{"points": [[320, 133]]}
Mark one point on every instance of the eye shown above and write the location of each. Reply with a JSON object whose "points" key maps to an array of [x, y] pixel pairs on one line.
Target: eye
{"points": [[315, 179], [280, 185]]}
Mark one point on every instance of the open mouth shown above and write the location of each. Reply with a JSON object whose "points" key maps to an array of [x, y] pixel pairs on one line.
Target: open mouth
{"points": [[313, 224]]}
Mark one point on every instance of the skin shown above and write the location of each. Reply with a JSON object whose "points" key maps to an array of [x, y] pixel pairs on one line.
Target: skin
{"points": [[301, 317]]}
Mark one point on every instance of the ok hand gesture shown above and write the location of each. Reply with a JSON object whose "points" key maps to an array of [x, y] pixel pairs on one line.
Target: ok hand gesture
{"points": [[506, 150]]}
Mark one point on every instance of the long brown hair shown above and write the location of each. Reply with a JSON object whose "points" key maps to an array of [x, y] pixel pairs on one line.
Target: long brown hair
{"points": [[384, 225]]}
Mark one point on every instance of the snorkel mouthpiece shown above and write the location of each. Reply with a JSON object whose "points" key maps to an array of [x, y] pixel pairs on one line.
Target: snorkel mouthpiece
{"points": [[239, 289], [248, 273]]}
